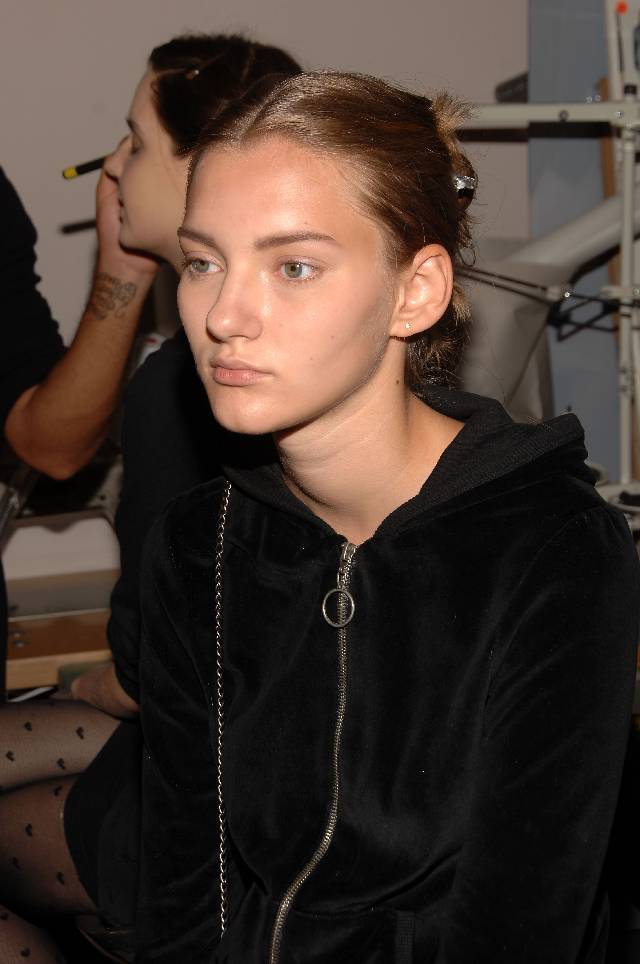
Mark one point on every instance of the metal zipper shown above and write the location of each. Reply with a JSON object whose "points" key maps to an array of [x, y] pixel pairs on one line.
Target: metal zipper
{"points": [[345, 611]]}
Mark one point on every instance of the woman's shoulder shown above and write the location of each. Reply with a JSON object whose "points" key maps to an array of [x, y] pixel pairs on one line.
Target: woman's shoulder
{"points": [[563, 501], [566, 515], [564, 538]]}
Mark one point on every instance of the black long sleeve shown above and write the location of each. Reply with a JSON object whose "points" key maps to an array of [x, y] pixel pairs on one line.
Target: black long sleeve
{"points": [[31, 342], [554, 738]]}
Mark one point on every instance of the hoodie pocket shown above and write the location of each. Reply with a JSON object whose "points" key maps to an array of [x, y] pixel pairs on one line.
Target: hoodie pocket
{"points": [[378, 936]]}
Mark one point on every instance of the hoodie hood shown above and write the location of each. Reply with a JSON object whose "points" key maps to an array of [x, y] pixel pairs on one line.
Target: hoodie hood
{"points": [[491, 455]]}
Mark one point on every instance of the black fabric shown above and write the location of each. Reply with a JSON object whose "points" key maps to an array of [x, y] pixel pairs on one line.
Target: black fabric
{"points": [[31, 340], [101, 824], [491, 664], [4, 635], [170, 443]]}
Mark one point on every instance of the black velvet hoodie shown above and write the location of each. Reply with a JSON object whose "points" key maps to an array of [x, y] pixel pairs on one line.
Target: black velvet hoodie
{"points": [[489, 678]]}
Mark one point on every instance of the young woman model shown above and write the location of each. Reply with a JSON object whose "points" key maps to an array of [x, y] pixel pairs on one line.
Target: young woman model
{"points": [[68, 772], [386, 672]]}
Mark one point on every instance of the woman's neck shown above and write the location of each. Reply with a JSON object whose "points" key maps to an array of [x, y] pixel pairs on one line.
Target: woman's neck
{"points": [[355, 470]]}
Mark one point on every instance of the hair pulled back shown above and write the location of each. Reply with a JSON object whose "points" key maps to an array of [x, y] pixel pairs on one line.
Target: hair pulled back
{"points": [[199, 75], [403, 154]]}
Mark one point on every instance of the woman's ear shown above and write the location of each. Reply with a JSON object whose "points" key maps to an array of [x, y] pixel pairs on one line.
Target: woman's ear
{"points": [[424, 292]]}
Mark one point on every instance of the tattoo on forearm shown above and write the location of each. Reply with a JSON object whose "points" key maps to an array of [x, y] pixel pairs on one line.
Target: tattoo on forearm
{"points": [[110, 296]]}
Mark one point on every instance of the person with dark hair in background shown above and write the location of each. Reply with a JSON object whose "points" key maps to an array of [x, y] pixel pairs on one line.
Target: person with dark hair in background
{"points": [[387, 673], [69, 771], [170, 440]]}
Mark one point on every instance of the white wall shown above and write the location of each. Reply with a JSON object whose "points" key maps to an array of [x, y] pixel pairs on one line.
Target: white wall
{"points": [[68, 68]]}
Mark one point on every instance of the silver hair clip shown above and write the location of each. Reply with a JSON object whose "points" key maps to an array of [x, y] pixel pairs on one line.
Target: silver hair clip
{"points": [[463, 183]]}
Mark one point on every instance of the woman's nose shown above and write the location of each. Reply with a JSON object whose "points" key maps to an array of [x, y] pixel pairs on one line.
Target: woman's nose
{"points": [[237, 311], [114, 163]]}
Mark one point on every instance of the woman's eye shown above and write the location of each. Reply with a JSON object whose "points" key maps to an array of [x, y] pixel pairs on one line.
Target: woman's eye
{"points": [[198, 266], [297, 271]]}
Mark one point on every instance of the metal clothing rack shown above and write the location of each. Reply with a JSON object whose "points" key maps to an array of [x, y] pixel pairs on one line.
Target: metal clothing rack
{"points": [[620, 215]]}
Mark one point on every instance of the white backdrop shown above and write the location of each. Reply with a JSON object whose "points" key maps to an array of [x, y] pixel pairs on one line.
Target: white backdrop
{"points": [[68, 69]]}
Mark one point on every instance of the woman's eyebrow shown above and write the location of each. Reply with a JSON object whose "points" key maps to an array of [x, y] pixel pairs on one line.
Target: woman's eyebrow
{"points": [[270, 241], [204, 239], [275, 240]]}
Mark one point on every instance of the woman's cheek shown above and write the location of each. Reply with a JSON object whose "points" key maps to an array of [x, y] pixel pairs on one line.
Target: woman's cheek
{"points": [[189, 307], [183, 303]]}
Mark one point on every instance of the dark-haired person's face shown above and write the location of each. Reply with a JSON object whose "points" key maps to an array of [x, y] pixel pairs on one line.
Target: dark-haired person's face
{"points": [[151, 180], [286, 296]]}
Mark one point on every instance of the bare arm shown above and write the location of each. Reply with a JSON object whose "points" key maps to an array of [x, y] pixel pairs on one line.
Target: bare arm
{"points": [[58, 424]]}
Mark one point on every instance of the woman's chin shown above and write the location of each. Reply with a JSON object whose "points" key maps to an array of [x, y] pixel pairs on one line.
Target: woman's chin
{"points": [[132, 241], [246, 421], [128, 240]]}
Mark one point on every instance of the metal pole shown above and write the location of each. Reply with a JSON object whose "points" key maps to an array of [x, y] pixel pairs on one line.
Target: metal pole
{"points": [[613, 52], [627, 258], [614, 77]]}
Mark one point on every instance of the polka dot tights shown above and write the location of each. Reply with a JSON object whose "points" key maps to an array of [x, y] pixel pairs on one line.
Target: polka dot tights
{"points": [[43, 747]]}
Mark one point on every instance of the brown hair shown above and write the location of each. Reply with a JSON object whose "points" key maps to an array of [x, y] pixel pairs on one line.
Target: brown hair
{"points": [[405, 154]]}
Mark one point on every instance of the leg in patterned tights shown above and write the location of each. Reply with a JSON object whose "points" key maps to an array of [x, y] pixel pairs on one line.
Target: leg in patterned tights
{"points": [[43, 746]]}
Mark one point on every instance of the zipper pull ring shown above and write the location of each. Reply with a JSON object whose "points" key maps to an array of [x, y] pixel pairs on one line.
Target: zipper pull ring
{"points": [[346, 605]]}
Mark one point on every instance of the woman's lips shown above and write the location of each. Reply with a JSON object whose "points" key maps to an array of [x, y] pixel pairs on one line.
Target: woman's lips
{"points": [[236, 373]]}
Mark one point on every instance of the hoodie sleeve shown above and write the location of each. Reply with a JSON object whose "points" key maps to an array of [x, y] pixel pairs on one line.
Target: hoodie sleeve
{"points": [[178, 913], [528, 884]]}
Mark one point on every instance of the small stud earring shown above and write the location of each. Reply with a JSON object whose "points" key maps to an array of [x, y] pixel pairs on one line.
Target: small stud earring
{"points": [[407, 325]]}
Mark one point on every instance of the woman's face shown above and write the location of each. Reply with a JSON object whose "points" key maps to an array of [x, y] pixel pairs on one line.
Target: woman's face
{"points": [[151, 180], [285, 295]]}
